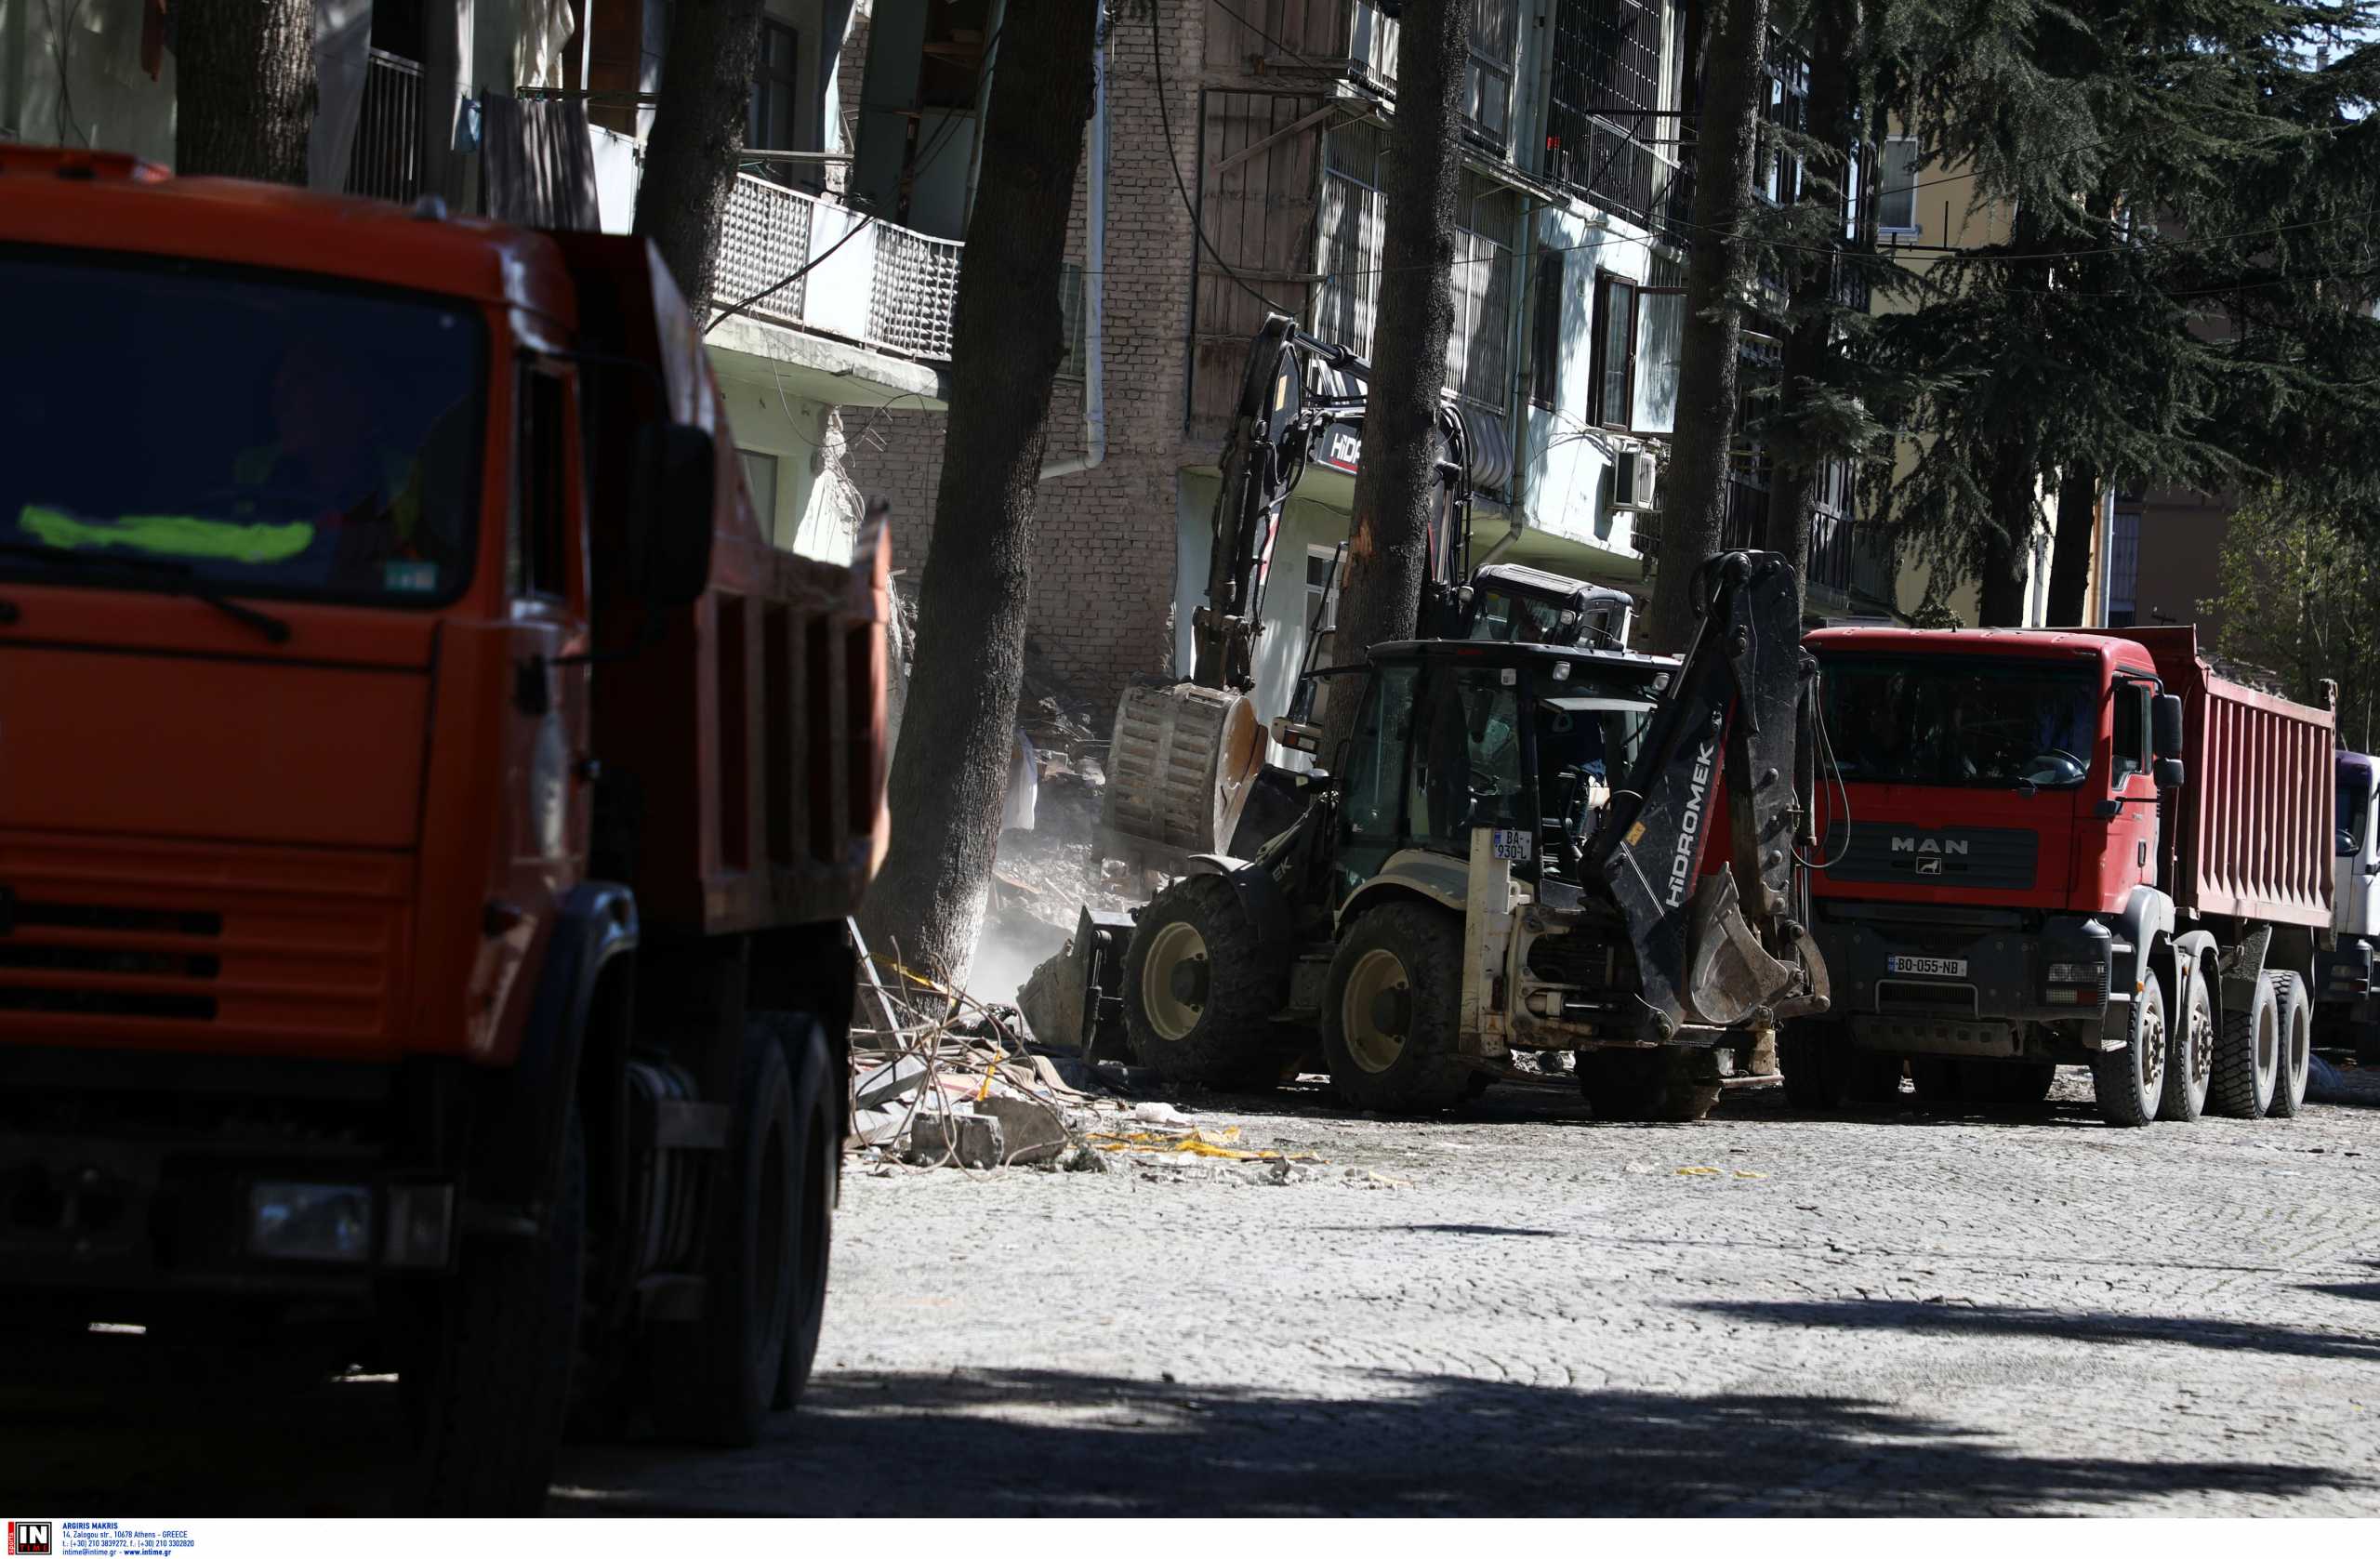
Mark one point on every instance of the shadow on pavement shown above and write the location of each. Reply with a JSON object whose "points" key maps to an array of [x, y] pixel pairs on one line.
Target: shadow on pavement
{"points": [[1052, 1443], [2073, 1325]]}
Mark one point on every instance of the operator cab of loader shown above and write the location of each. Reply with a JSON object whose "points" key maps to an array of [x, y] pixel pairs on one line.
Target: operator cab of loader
{"points": [[1513, 604]]}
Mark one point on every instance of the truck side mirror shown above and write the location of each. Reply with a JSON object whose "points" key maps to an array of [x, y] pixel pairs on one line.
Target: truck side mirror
{"points": [[681, 465], [2169, 773], [2165, 727]]}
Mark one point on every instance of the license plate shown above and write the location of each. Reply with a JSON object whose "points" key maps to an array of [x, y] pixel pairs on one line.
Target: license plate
{"points": [[1903, 963], [1513, 844]]}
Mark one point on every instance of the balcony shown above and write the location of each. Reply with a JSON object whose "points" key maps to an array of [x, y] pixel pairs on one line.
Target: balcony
{"points": [[874, 283], [385, 162]]}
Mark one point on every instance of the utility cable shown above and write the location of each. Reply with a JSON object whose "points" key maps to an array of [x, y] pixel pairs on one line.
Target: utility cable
{"points": [[1173, 164]]}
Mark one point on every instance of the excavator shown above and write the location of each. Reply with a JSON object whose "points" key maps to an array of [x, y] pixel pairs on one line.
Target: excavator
{"points": [[1522, 847], [1188, 756]]}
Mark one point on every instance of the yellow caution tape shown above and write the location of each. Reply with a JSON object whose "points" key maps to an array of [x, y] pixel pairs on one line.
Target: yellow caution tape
{"points": [[171, 534], [1696, 1169], [1192, 1143], [1750, 1174]]}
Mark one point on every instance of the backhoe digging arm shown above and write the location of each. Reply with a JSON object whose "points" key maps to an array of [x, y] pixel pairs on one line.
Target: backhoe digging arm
{"points": [[1719, 950]]}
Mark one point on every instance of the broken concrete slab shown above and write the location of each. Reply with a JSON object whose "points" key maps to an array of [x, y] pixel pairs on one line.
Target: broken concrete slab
{"points": [[1033, 1132], [896, 1079], [976, 1141]]}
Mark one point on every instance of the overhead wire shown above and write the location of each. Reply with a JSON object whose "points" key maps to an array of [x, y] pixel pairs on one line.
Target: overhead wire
{"points": [[1173, 164]]}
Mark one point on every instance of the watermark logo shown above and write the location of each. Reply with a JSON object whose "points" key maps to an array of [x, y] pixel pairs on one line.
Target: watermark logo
{"points": [[29, 1537]]}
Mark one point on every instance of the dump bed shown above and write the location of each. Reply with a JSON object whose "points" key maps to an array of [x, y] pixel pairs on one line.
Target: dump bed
{"points": [[2250, 833], [754, 720]]}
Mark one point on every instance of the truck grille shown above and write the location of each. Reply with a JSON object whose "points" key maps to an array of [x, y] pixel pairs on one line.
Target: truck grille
{"points": [[1920, 857], [269, 947]]}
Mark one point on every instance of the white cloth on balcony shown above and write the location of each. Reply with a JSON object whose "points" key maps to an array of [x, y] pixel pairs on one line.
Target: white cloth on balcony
{"points": [[342, 59], [546, 26]]}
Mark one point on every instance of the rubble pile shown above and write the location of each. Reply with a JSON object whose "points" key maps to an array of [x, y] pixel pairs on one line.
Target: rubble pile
{"points": [[939, 1080]]}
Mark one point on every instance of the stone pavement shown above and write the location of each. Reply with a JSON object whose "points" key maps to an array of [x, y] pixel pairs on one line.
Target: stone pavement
{"points": [[1513, 1310], [1520, 1311]]}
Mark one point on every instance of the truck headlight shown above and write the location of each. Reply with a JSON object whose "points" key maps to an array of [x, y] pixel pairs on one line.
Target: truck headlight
{"points": [[293, 1222], [2092, 974]]}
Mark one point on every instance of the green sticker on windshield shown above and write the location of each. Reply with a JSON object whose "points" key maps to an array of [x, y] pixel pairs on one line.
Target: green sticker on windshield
{"points": [[170, 536], [408, 577]]}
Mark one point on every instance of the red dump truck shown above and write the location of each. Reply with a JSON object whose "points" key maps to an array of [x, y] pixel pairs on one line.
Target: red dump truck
{"points": [[428, 816], [2057, 848]]}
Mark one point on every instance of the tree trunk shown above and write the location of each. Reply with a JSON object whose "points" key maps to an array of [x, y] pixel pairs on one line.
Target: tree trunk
{"points": [[950, 772], [2008, 543], [1720, 266], [1809, 342], [243, 74], [1397, 485], [698, 133], [2069, 564]]}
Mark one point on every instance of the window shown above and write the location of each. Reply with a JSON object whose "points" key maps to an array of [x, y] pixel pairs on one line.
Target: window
{"points": [[760, 480], [541, 514], [1545, 332], [1321, 589], [777, 90], [1375, 778], [1896, 186], [1639, 332], [1487, 84], [1071, 278], [2131, 733], [2124, 568], [1468, 766]]}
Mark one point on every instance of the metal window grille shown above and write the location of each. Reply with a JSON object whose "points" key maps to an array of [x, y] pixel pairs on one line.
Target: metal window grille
{"points": [[385, 162]]}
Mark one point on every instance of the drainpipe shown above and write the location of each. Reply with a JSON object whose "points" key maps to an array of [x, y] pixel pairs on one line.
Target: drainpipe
{"points": [[1095, 378]]}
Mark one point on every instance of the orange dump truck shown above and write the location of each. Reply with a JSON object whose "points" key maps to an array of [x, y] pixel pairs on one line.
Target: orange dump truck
{"points": [[429, 812]]}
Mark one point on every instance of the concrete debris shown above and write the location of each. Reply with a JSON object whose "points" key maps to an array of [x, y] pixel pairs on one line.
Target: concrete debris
{"points": [[972, 1141], [1036, 1132], [940, 1078]]}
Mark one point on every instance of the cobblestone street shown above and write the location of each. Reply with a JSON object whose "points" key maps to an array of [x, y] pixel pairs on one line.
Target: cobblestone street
{"points": [[1515, 1311], [1523, 1310]]}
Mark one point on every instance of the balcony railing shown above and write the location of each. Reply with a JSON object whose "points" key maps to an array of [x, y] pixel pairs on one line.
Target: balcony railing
{"points": [[386, 163], [875, 283]]}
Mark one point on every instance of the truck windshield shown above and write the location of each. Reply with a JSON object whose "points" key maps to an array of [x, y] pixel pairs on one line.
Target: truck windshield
{"points": [[260, 434], [1934, 720]]}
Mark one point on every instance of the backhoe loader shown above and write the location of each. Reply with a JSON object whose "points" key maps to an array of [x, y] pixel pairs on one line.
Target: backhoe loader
{"points": [[1522, 847]]}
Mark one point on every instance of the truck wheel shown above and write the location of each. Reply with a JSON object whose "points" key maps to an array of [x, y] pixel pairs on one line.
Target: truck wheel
{"points": [[1812, 1056], [2247, 1058], [1198, 990], [1389, 1020], [1671, 1086], [2010, 1084], [2294, 1021], [2130, 1084], [818, 1169], [2189, 1058], [491, 1367], [715, 1378]]}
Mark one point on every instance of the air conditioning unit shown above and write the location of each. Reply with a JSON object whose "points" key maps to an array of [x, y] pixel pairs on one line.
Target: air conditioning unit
{"points": [[1636, 480]]}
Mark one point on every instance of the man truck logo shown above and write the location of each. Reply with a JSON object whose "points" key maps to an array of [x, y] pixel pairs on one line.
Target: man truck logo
{"points": [[29, 1537], [1929, 866], [1689, 823], [1904, 845]]}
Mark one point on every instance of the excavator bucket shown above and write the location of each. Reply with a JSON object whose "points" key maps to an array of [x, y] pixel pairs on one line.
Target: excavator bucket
{"points": [[1178, 773]]}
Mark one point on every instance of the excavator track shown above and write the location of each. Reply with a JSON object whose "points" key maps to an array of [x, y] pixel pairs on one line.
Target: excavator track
{"points": [[1178, 771]]}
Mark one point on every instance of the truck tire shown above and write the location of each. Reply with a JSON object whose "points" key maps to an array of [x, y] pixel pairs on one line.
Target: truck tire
{"points": [[492, 1362], [1390, 1017], [1820, 1067], [714, 1378], [2009, 1084], [2247, 1058], [1198, 991], [1669, 1086], [2189, 1055], [2129, 1084], [2294, 1017], [818, 1169]]}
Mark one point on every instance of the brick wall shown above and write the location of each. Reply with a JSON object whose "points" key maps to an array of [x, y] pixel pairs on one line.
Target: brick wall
{"points": [[1103, 570]]}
